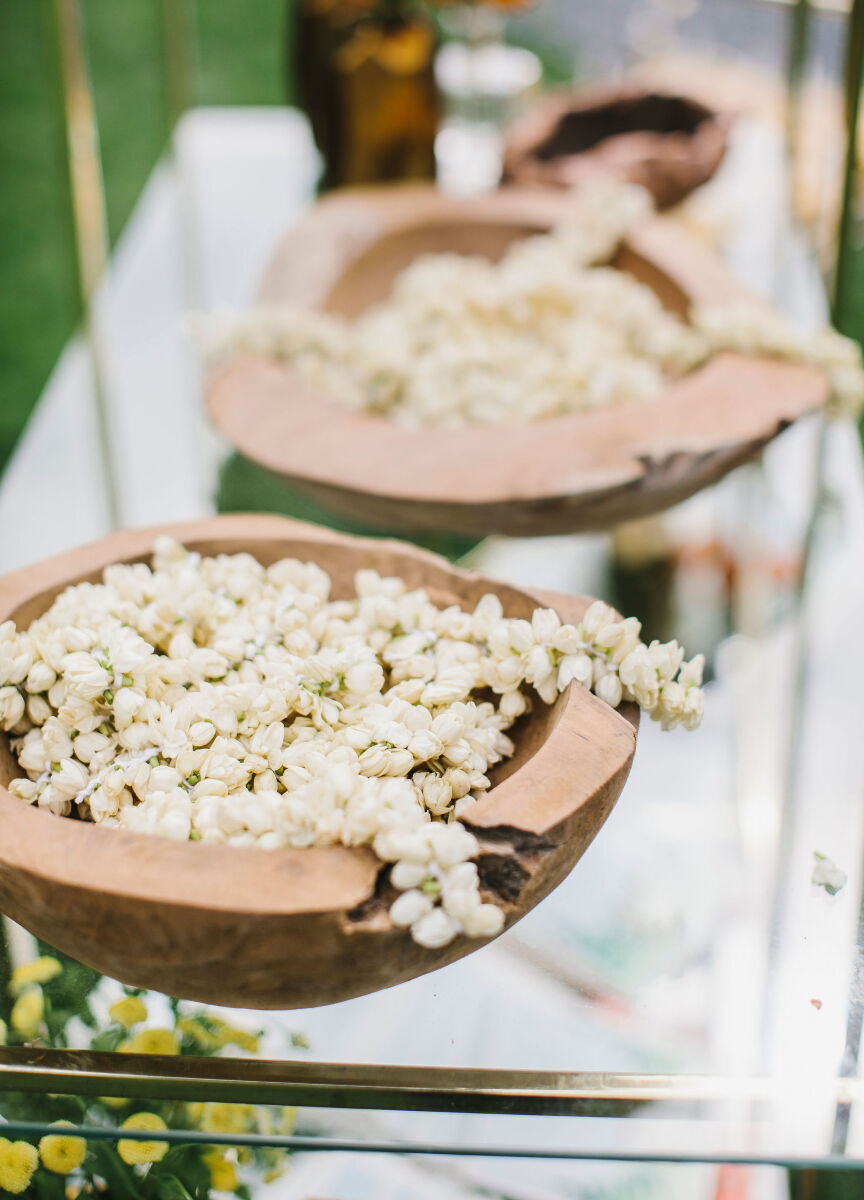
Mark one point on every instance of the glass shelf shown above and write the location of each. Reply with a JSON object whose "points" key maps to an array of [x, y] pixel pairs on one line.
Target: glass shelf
{"points": [[687, 994]]}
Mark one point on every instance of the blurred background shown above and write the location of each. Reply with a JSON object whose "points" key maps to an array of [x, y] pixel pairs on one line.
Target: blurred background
{"points": [[244, 54]]}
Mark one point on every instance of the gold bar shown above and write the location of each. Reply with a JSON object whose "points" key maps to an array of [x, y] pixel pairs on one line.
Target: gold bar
{"points": [[340, 1085], [179, 58], [90, 221]]}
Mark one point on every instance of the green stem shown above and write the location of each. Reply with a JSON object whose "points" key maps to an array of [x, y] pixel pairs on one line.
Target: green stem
{"points": [[854, 72]]}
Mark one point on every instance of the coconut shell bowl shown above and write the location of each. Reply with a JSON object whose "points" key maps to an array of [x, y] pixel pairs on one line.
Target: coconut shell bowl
{"points": [[582, 471], [668, 144], [297, 927]]}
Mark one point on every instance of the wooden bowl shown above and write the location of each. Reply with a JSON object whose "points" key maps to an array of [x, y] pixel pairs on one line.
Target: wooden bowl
{"points": [[566, 474], [667, 143], [294, 928]]}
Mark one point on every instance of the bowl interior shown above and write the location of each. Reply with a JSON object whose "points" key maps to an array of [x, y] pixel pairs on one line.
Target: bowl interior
{"points": [[341, 560], [580, 130], [367, 279]]}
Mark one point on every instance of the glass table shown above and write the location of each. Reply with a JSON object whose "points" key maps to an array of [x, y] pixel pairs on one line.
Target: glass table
{"points": [[689, 994]]}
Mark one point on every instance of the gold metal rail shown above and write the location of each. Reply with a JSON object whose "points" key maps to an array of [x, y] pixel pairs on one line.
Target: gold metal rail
{"points": [[370, 1086]]}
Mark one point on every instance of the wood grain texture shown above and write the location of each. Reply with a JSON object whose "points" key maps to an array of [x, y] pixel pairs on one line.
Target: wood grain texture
{"points": [[296, 928], [669, 144], [572, 473]]}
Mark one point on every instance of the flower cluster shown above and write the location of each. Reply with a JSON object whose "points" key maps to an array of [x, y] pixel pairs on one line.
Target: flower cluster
{"points": [[219, 700], [134, 1166], [547, 330]]}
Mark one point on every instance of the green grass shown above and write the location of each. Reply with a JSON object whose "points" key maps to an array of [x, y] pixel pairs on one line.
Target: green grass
{"points": [[241, 51], [38, 306]]}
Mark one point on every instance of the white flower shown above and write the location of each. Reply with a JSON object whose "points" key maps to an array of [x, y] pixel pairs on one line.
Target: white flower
{"points": [[597, 616], [575, 666], [691, 673], [38, 710], [484, 921], [407, 875], [638, 674], [71, 779], [127, 652], [86, 745], [409, 908], [539, 666], [88, 678], [667, 658], [435, 929], [40, 677], [545, 622], [24, 789], [609, 690], [32, 754], [425, 745], [694, 707], [12, 706], [520, 636], [57, 740], [451, 843]]}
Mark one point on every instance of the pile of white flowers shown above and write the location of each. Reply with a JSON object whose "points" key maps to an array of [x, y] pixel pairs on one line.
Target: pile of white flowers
{"points": [[546, 331], [218, 700]]}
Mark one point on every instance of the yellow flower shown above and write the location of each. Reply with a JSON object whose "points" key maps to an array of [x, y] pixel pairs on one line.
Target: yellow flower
{"points": [[217, 1033], [152, 1041], [242, 1040], [142, 1152], [28, 1011], [61, 1153], [223, 1173], [18, 1161], [3, 1032], [227, 1118], [40, 970], [197, 1030], [229, 1035], [128, 1012]]}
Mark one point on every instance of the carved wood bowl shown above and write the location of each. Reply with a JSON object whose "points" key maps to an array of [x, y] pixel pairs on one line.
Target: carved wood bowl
{"points": [[667, 143], [577, 472], [296, 928]]}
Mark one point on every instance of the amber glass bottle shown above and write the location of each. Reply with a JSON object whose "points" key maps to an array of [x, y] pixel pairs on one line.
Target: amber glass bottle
{"points": [[364, 71]]}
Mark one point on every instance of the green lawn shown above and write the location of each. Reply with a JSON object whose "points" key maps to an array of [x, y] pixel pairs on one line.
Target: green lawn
{"points": [[241, 62]]}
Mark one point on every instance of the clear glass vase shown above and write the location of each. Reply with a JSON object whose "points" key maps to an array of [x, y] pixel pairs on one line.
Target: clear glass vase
{"points": [[484, 82]]}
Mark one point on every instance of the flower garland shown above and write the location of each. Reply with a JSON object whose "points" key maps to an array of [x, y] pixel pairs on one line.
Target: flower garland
{"points": [[550, 329], [218, 700]]}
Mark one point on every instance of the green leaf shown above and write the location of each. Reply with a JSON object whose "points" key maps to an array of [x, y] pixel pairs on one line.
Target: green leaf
{"points": [[169, 1187], [108, 1039], [119, 1176], [45, 1185]]}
